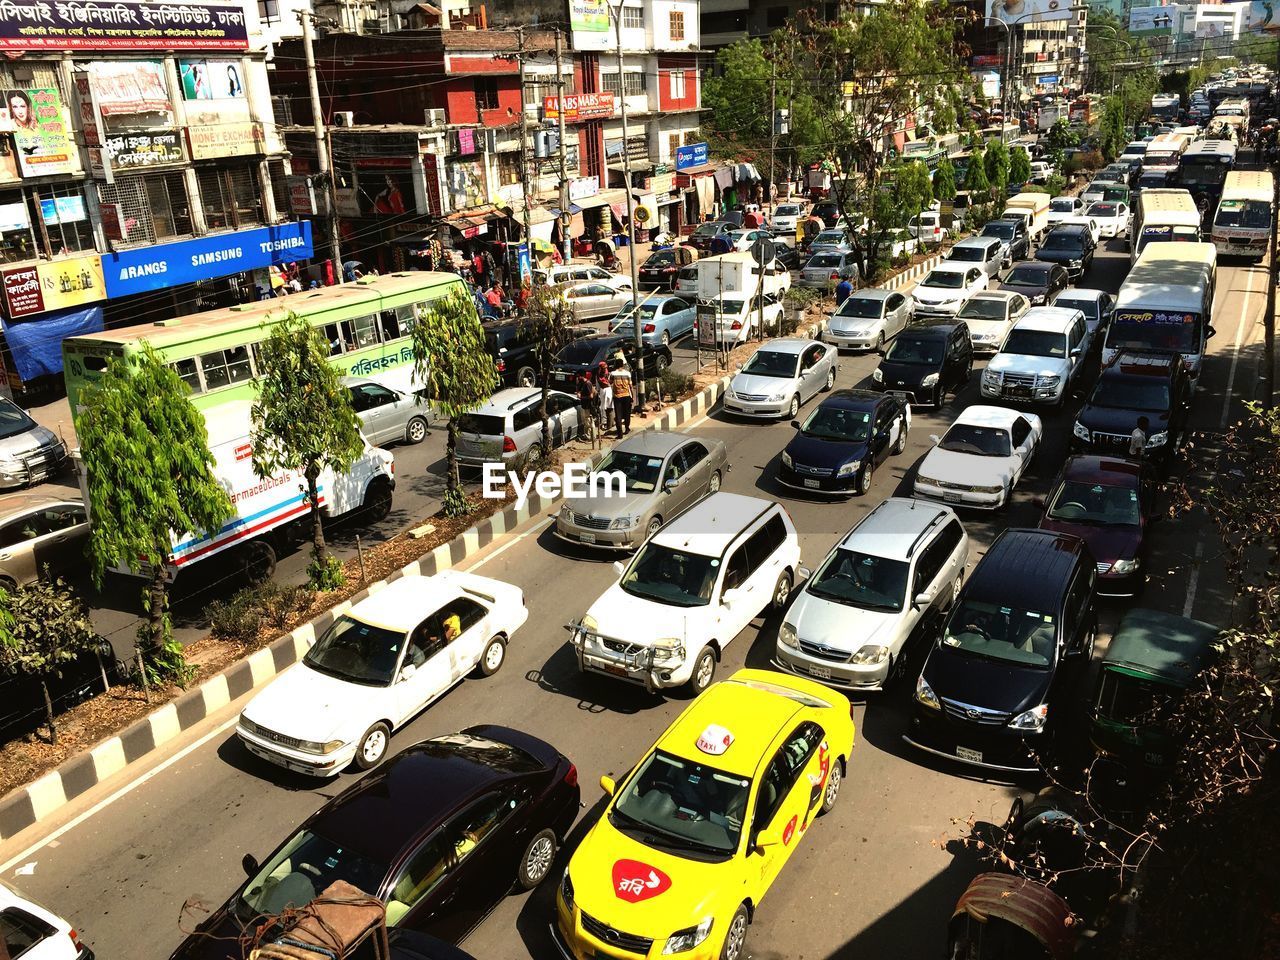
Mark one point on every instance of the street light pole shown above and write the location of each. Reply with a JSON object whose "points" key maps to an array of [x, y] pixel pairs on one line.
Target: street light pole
{"points": [[615, 10]]}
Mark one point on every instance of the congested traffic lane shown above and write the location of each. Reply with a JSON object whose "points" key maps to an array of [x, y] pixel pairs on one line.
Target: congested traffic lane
{"points": [[873, 877]]}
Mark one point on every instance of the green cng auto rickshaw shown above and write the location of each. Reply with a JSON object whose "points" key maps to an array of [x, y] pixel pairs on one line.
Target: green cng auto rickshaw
{"points": [[1151, 661]]}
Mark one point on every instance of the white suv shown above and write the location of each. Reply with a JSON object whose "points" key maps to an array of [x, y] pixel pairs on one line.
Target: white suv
{"points": [[898, 569], [1041, 357], [689, 590]]}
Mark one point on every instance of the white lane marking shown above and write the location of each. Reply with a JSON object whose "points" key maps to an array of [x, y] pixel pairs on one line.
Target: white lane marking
{"points": [[26, 870], [1193, 581], [123, 791], [1235, 350], [512, 542]]}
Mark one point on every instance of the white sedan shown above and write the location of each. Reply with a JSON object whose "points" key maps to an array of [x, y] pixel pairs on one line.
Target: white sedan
{"points": [[1111, 216], [980, 459], [946, 287], [377, 666], [30, 932]]}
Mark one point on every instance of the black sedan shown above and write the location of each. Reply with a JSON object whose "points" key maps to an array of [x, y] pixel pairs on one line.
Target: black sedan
{"points": [[837, 449], [440, 834], [1037, 280]]}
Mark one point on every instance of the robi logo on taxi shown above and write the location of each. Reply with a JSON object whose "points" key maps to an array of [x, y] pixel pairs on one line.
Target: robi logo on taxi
{"points": [[634, 881]]}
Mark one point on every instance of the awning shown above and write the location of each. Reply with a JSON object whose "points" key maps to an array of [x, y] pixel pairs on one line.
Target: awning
{"points": [[602, 199], [700, 170]]}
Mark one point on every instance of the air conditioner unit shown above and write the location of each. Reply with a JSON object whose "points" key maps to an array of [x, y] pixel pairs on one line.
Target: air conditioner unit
{"points": [[434, 117], [344, 118]]}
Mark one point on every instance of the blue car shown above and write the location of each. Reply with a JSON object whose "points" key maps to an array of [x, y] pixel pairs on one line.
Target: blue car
{"points": [[662, 319], [837, 450]]}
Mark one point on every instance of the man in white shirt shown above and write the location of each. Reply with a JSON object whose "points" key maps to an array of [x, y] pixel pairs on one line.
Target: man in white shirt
{"points": [[1138, 439]]}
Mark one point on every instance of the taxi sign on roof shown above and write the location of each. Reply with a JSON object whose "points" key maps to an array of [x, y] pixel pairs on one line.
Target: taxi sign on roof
{"points": [[715, 740]]}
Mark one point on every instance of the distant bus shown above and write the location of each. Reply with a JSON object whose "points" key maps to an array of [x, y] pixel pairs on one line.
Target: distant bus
{"points": [[1165, 151], [1234, 108], [1166, 106], [1242, 223], [1204, 169], [1163, 215]]}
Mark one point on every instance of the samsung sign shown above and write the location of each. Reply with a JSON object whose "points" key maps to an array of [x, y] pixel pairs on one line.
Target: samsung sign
{"points": [[204, 258]]}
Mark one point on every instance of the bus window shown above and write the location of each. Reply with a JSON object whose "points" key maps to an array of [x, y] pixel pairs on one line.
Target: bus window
{"points": [[226, 367], [406, 315], [186, 369], [390, 326], [360, 332], [336, 345]]}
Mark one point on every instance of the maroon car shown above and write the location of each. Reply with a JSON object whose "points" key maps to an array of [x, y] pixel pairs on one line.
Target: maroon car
{"points": [[440, 833], [1107, 502]]}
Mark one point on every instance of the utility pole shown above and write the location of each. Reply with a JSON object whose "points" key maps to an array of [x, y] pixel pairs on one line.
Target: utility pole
{"points": [[1269, 318], [773, 135], [322, 144], [616, 13], [565, 219], [524, 163]]}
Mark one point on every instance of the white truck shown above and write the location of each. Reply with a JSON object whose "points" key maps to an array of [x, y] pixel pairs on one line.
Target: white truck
{"points": [[272, 514], [732, 295], [1032, 208]]}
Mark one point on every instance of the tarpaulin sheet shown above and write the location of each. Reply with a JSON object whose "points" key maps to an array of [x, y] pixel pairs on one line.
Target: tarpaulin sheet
{"points": [[37, 344]]}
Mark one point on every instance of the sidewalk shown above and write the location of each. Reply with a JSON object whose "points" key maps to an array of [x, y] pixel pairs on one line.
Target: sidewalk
{"points": [[57, 417]]}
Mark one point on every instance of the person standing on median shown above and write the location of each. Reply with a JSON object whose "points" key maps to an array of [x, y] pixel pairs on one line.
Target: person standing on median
{"points": [[620, 381], [843, 289], [586, 403], [604, 397]]}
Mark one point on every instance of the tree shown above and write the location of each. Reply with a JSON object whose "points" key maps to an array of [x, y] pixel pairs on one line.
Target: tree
{"points": [[449, 357], [1061, 136], [550, 324], [736, 98], [51, 628], [996, 160], [150, 478], [1019, 166], [975, 175], [944, 180], [1111, 132], [913, 191], [303, 422]]}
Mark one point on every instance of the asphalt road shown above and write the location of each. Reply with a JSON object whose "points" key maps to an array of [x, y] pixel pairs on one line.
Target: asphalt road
{"points": [[878, 878]]}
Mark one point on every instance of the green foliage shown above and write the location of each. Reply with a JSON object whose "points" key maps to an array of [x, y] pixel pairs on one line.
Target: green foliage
{"points": [[6, 621], [1061, 136], [676, 386], [1111, 129], [975, 175], [240, 618], [450, 359], [913, 189], [1057, 183], [325, 573], [944, 180], [303, 420], [996, 160], [51, 629], [736, 97], [150, 478], [550, 322], [1019, 166]]}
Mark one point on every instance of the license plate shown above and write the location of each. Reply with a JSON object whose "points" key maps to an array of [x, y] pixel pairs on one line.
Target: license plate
{"points": [[587, 537], [822, 673], [1019, 391], [613, 668], [811, 484], [951, 497], [973, 756]]}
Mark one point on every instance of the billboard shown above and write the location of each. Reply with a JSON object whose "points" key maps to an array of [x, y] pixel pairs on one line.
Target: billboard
{"points": [[121, 25], [53, 285], [211, 80], [128, 88], [1151, 19], [579, 107], [589, 16], [40, 131], [1027, 11]]}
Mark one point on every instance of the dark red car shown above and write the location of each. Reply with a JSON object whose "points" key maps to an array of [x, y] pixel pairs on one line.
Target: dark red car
{"points": [[440, 833], [1108, 503]]}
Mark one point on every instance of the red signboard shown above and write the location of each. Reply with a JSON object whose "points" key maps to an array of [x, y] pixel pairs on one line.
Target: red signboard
{"points": [[22, 292], [579, 107]]}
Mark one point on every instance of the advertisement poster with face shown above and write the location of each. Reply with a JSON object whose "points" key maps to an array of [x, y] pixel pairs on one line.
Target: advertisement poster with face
{"points": [[1028, 11], [212, 79], [385, 187], [40, 132]]}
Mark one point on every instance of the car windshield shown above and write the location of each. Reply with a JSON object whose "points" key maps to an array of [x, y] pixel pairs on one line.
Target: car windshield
{"points": [[1088, 307], [640, 469], [482, 424], [967, 254], [663, 258], [682, 806], [982, 441], [824, 260], [912, 350], [709, 229], [982, 309], [838, 423], [830, 236], [1027, 277], [861, 307], [1124, 698], [1005, 231], [579, 352], [671, 576], [1062, 241], [772, 363], [1102, 210], [356, 651], [994, 631], [730, 307], [787, 210], [13, 420], [1036, 343], [302, 869], [1086, 502], [944, 279], [1131, 393], [1062, 205], [861, 580], [627, 314]]}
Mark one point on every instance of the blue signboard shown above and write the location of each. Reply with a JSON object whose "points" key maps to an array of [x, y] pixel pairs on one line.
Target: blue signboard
{"points": [[169, 264], [526, 265], [692, 155]]}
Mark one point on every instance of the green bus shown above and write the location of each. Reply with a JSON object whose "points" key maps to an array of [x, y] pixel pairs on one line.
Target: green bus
{"points": [[215, 353]]}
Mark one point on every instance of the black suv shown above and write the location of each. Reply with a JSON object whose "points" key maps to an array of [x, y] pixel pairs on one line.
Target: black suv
{"points": [[1002, 678], [925, 361], [586, 353], [1070, 244], [510, 343], [1137, 384], [1015, 237]]}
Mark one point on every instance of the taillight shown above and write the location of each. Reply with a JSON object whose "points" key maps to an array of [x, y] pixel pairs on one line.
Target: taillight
{"points": [[502, 366], [508, 445], [571, 778], [649, 328], [737, 325], [835, 276]]}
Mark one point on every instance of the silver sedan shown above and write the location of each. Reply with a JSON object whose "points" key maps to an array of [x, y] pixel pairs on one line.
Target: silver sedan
{"points": [[868, 318], [780, 376]]}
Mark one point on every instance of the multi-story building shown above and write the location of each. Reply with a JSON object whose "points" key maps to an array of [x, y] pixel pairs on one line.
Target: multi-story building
{"points": [[139, 171]]}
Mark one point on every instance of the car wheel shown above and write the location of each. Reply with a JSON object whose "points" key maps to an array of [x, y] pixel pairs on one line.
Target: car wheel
{"points": [[495, 654], [782, 590], [901, 445], [1008, 496], [258, 562], [652, 529], [735, 938], [535, 453], [527, 377], [955, 588], [879, 343], [704, 670], [864, 478], [8, 585], [831, 379], [831, 792], [538, 857], [794, 408], [416, 430], [373, 746], [377, 501], [713, 485], [666, 338]]}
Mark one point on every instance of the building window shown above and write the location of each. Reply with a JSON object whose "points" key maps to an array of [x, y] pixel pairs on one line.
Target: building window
{"points": [[633, 18], [486, 93], [673, 144], [635, 82], [65, 217], [153, 207], [509, 167], [677, 85], [268, 11], [230, 196], [17, 241], [279, 189], [677, 24]]}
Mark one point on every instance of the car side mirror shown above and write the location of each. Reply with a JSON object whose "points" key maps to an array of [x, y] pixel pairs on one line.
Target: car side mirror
{"points": [[767, 838], [671, 483], [923, 599], [1210, 333], [249, 863], [1075, 352], [407, 672], [795, 424], [730, 596], [607, 785], [935, 438], [803, 572], [619, 567]]}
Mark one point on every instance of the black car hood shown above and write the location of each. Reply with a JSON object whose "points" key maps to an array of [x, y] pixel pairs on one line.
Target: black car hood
{"points": [[905, 375], [1026, 290], [980, 682], [1059, 256], [1117, 420], [816, 452], [214, 939]]}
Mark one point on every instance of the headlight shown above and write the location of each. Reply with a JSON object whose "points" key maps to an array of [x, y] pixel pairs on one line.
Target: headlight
{"points": [[787, 636], [877, 375], [1126, 566], [779, 396], [248, 724], [688, 938], [668, 648], [1082, 432], [930, 380], [1048, 381], [1157, 440], [623, 523], [786, 459], [849, 469], [311, 746], [925, 694], [565, 512], [998, 488], [566, 889], [1075, 264], [930, 481], [1033, 719], [990, 377], [870, 654], [11, 466], [1038, 299]]}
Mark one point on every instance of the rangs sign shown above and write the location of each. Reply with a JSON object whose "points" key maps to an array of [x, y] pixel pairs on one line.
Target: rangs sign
{"points": [[225, 139], [579, 106], [52, 285], [120, 25]]}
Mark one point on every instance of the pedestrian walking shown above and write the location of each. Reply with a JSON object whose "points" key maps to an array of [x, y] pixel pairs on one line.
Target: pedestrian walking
{"points": [[1138, 439], [604, 397], [586, 403], [623, 396]]}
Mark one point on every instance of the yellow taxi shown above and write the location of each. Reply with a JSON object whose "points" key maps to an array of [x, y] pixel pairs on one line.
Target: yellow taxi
{"points": [[696, 833]]}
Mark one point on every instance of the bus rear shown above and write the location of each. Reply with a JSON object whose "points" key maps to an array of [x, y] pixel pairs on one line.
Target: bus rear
{"points": [[1242, 223], [83, 361]]}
